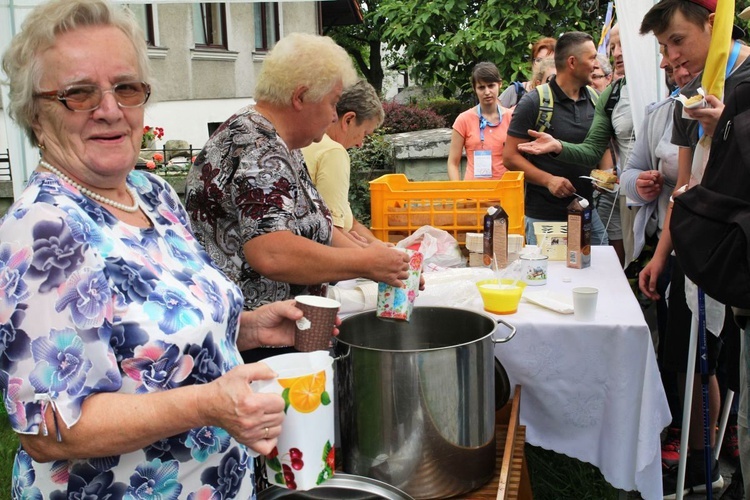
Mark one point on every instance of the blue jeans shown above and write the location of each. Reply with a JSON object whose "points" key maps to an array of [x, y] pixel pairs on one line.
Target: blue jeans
{"points": [[598, 232]]}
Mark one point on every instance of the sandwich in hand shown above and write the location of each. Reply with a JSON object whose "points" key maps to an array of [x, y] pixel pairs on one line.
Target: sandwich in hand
{"points": [[604, 179]]}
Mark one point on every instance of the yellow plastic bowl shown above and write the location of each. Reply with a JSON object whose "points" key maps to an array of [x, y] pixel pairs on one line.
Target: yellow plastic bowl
{"points": [[501, 300]]}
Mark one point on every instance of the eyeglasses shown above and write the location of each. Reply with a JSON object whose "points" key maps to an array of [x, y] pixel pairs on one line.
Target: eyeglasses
{"points": [[538, 59], [598, 77], [86, 97]]}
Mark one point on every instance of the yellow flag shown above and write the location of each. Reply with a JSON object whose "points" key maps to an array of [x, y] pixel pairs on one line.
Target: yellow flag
{"points": [[713, 77]]}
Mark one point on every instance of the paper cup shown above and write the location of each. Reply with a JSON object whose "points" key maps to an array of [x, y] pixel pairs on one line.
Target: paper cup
{"points": [[304, 455], [397, 303], [314, 330], [534, 269], [584, 303]]}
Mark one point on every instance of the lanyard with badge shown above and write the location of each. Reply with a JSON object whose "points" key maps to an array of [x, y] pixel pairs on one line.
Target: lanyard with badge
{"points": [[483, 157]]}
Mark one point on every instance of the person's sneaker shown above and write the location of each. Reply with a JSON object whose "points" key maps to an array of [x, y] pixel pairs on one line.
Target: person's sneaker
{"points": [[730, 447], [736, 489], [695, 481], [670, 448]]}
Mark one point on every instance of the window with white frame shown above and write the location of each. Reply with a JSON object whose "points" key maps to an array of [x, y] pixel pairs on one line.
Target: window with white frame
{"points": [[144, 14], [266, 25], [210, 25]]}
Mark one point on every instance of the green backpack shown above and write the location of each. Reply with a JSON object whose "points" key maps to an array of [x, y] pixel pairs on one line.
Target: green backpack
{"points": [[547, 102]]}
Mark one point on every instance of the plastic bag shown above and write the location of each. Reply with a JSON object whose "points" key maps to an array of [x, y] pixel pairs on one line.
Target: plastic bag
{"points": [[438, 247]]}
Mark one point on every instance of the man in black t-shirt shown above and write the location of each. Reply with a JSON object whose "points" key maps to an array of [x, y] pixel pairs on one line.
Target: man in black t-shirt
{"points": [[551, 183]]}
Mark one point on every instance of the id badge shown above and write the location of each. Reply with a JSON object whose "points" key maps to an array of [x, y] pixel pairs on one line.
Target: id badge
{"points": [[483, 164]]}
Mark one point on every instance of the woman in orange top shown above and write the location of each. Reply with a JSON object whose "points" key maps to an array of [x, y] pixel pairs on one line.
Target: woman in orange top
{"points": [[481, 130]]}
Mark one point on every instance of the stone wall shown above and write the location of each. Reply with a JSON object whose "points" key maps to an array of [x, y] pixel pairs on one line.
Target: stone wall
{"points": [[423, 155], [6, 196]]}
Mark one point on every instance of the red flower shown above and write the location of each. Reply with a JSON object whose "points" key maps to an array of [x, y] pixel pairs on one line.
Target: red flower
{"points": [[150, 165], [158, 157]]}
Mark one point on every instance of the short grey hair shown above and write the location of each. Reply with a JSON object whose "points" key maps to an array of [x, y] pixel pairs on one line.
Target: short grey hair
{"points": [[362, 99], [604, 64], [39, 32], [303, 59]]}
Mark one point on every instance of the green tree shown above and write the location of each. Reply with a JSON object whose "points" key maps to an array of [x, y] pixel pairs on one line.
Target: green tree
{"points": [[363, 42], [440, 41]]}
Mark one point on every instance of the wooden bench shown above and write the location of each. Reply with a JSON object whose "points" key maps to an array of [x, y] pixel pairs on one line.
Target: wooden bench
{"points": [[511, 480]]}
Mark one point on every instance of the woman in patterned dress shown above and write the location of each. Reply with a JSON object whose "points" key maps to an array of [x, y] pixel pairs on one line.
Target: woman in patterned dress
{"points": [[119, 338]]}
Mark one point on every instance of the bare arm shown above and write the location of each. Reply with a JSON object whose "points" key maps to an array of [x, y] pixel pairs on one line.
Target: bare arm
{"points": [[454, 156], [364, 232], [514, 160], [115, 423], [283, 256], [543, 143], [650, 273]]}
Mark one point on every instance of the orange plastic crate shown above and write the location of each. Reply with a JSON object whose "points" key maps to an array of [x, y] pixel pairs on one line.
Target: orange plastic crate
{"points": [[399, 206]]}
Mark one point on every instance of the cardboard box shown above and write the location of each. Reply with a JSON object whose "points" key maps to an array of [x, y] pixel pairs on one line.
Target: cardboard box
{"points": [[579, 236]]}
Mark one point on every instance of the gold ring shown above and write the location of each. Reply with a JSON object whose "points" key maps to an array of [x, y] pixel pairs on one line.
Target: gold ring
{"points": [[265, 433]]}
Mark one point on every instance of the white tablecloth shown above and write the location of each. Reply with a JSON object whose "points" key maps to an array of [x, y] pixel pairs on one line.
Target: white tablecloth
{"points": [[591, 391]]}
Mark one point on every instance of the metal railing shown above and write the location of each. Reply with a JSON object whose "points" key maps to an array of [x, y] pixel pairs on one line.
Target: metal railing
{"points": [[5, 171], [173, 161]]}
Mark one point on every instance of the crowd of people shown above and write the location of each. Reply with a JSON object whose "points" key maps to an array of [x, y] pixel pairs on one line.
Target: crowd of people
{"points": [[132, 325]]}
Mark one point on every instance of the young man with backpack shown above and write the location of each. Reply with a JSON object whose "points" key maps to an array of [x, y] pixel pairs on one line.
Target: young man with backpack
{"points": [[683, 28], [565, 109]]}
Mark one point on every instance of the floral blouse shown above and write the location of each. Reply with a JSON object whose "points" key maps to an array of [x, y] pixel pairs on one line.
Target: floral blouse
{"points": [[90, 304], [246, 183]]}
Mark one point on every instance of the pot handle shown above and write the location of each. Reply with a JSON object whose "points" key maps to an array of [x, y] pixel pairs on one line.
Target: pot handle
{"points": [[344, 355], [512, 333]]}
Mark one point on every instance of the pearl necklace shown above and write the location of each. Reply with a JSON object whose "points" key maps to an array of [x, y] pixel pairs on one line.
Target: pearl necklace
{"points": [[86, 191]]}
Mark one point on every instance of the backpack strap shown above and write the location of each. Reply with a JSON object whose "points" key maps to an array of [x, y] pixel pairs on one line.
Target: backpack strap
{"points": [[546, 107], [520, 90], [614, 96], [593, 94]]}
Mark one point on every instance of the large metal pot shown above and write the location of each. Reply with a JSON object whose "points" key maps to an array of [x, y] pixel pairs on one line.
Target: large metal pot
{"points": [[416, 400]]}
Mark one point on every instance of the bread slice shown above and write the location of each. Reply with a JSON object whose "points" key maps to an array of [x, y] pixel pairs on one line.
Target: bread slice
{"points": [[604, 179]]}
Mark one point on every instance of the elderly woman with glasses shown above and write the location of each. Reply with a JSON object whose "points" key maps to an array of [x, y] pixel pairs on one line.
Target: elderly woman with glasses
{"points": [[119, 339]]}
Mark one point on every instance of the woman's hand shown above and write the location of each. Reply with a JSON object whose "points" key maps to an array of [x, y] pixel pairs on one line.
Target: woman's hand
{"points": [[649, 184], [388, 265], [270, 324], [251, 418], [543, 143], [648, 277]]}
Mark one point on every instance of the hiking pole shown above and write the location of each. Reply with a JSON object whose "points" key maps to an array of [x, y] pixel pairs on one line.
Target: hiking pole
{"points": [[686, 408], [728, 399], [707, 455]]}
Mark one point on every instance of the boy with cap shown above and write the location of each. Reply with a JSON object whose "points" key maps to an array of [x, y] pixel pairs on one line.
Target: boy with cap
{"points": [[683, 28]]}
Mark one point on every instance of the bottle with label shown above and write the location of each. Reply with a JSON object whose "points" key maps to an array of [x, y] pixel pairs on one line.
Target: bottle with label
{"points": [[496, 236], [579, 234]]}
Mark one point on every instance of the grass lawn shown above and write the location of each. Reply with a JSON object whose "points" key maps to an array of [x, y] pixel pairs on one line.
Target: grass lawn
{"points": [[553, 476], [558, 477], [8, 445]]}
